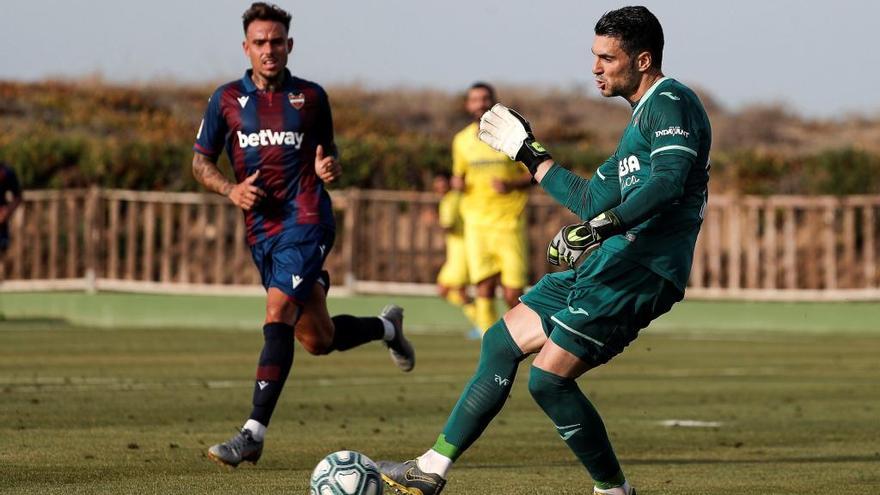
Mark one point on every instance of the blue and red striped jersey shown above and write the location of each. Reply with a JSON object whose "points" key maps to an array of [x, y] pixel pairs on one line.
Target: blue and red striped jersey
{"points": [[276, 133]]}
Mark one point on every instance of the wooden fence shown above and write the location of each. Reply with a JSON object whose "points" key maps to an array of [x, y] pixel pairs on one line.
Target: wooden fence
{"points": [[778, 247]]}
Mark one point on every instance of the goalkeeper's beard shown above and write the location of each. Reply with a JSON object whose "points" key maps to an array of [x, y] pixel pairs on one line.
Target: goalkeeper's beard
{"points": [[628, 84]]}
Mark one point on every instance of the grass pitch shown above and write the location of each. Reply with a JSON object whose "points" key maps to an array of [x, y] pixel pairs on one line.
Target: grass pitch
{"points": [[788, 409]]}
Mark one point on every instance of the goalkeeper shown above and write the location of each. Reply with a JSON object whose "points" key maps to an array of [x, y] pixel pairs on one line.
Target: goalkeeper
{"points": [[642, 209]]}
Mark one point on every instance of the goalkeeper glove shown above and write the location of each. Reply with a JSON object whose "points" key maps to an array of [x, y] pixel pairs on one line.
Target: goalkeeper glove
{"points": [[573, 241], [508, 132]]}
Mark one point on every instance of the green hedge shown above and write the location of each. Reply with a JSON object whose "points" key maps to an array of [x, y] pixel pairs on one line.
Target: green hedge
{"points": [[72, 135]]}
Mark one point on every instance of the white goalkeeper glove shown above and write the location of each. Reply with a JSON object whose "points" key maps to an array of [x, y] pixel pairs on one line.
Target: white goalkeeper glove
{"points": [[508, 132]]}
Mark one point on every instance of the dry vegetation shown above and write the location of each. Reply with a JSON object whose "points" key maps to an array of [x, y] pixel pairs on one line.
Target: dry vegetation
{"points": [[63, 134]]}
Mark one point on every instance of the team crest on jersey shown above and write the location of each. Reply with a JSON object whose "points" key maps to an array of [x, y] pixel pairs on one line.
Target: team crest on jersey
{"points": [[296, 100]]}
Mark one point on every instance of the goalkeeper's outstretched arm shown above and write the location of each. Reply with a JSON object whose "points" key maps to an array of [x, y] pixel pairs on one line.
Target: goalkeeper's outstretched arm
{"points": [[507, 131], [586, 198]]}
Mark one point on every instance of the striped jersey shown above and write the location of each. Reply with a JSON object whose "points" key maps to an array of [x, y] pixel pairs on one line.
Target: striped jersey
{"points": [[277, 133]]}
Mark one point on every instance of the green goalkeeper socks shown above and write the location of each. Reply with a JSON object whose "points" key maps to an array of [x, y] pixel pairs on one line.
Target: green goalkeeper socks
{"points": [[579, 425], [484, 395]]}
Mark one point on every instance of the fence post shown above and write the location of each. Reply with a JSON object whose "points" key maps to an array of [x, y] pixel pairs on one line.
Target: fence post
{"points": [[830, 244], [91, 237], [352, 205], [734, 260], [869, 255], [769, 244], [789, 256], [149, 240]]}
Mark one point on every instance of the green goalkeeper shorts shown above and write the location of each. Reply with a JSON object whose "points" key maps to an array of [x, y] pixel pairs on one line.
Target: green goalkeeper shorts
{"points": [[594, 312]]}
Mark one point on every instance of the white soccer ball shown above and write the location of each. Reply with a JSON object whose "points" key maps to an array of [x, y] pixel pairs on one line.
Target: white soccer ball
{"points": [[346, 473]]}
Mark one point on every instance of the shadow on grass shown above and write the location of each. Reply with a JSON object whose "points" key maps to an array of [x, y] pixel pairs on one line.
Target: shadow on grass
{"points": [[19, 324], [662, 462]]}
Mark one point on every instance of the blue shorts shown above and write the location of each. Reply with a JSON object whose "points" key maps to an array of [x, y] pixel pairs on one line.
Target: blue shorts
{"points": [[293, 261]]}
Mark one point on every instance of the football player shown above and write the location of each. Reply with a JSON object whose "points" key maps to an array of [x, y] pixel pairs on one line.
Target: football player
{"points": [[278, 133], [629, 259]]}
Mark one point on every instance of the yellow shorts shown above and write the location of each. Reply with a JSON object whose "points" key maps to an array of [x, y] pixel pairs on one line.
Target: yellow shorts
{"points": [[492, 250], [454, 272]]}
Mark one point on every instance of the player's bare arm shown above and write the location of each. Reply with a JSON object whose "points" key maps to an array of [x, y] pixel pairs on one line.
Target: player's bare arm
{"points": [[7, 211], [244, 195]]}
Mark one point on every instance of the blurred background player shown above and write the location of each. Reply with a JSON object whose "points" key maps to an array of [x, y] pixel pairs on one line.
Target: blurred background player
{"points": [[494, 195], [641, 213], [278, 133], [452, 281], [10, 198]]}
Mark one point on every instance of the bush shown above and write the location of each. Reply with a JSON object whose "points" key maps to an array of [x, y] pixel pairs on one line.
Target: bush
{"points": [[61, 134]]}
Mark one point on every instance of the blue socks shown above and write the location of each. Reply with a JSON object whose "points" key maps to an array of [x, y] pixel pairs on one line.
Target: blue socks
{"points": [[272, 370]]}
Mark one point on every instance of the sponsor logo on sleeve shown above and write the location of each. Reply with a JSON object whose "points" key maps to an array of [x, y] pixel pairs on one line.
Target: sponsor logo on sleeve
{"points": [[670, 96], [672, 131]]}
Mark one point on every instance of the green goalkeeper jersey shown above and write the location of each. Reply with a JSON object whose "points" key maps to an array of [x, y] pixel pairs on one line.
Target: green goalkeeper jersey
{"points": [[656, 182]]}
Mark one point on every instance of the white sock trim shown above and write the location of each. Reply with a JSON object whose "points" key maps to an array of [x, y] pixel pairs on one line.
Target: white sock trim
{"points": [[258, 430], [434, 462], [390, 331]]}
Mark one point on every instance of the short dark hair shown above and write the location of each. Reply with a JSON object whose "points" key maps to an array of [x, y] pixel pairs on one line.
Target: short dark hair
{"points": [[265, 12], [637, 29], [483, 85]]}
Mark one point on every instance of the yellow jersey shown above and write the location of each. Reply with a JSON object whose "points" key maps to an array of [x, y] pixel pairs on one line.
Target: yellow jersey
{"points": [[449, 212], [480, 165]]}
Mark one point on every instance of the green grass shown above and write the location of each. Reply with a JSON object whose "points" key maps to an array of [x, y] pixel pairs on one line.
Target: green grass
{"points": [[96, 410], [118, 310]]}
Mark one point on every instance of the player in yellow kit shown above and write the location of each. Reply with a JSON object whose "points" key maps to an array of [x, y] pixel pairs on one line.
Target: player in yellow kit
{"points": [[494, 194], [453, 280]]}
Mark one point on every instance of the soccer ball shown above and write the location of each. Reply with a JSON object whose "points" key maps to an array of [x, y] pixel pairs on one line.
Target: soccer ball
{"points": [[346, 473]]}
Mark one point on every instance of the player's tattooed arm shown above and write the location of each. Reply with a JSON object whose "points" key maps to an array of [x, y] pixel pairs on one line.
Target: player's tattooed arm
{"points": [[206, 172], [244, 195]]}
